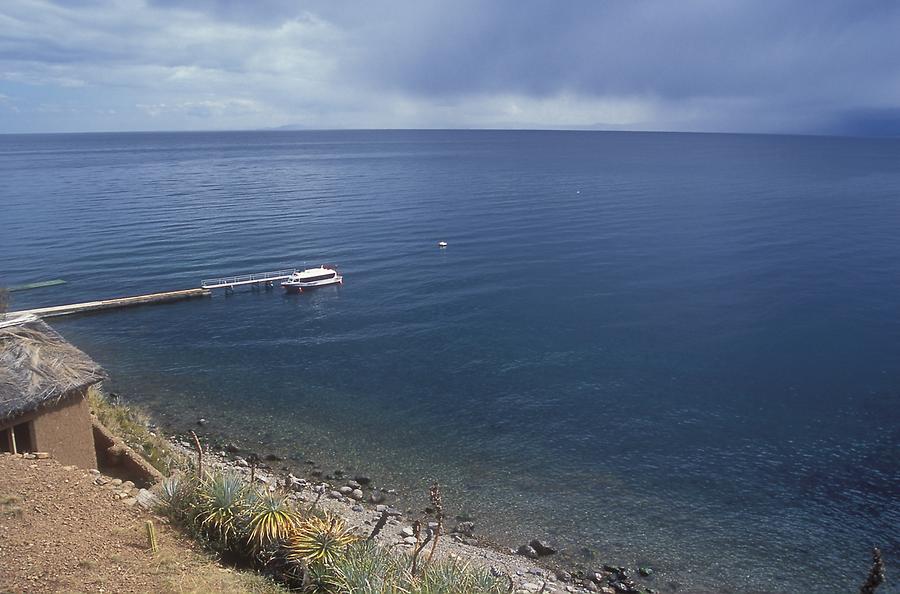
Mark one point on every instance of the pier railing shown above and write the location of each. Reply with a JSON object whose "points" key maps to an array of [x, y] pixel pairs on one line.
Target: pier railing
{"points": [[246, 279]]}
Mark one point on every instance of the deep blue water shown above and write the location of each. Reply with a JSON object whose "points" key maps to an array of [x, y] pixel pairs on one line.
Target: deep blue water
{"points": [[680, 350]]}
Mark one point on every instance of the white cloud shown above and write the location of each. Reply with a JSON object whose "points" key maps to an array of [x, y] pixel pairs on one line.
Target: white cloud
{"points": [[205, 109]]}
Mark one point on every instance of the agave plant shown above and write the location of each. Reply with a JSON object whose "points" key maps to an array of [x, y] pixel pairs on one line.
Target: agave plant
{"points": [[222, 500], [318, 541], [176, 495], [323, 579], [272, 519], [372, 569], [455, 577]]}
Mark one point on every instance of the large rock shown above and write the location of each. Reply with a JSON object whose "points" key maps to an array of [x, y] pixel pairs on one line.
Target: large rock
{"points": [[542, 549], [527, 551], [465, 528], [147, 500], [295, 484]]}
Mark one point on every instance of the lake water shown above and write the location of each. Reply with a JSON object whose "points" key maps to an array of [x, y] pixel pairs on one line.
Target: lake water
{"points": [[678, 350]]}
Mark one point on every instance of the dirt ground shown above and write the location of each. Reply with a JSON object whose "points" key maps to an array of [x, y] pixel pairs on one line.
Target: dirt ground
{"points": [[59, 532]]}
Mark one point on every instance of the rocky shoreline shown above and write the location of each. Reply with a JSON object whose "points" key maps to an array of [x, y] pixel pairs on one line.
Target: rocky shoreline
{"points": [[356, 497]]}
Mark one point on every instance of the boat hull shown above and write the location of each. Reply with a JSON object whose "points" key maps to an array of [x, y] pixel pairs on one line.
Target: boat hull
{"points": [[299, 287]]}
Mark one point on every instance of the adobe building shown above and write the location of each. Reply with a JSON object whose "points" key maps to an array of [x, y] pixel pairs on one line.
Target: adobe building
{"points": [[43, 387]]}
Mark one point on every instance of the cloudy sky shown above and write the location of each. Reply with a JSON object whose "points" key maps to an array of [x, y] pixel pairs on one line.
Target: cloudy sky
{"points": [[825, 66]]}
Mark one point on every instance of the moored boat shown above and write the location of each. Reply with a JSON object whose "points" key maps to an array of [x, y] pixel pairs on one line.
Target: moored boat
{"points": [[311, 278]]}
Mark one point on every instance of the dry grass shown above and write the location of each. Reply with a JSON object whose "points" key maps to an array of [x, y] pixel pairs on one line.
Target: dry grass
{"points": [[190, 578], [131, 425]]}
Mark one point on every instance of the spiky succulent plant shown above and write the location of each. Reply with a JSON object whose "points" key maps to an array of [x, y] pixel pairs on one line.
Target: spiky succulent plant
{"points": [[272, 519], [177, 495], [318, 541], [324, 579], [221, 501]]}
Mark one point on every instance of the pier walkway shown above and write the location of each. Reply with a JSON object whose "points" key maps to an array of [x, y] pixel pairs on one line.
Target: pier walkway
{"points": [[257, 278], [228, 283], [62, 310]]}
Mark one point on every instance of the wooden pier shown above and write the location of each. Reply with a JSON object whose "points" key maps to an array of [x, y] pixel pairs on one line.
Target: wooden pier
{"points": [[88, 306], [257, 278]]}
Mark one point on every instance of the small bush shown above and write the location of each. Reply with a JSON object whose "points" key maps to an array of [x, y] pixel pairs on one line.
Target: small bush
{"points": [[271, 521], [456, 577], [178, 498], [319, 541], [324, 579], [222, 504], [371, 569], [309, 551]]}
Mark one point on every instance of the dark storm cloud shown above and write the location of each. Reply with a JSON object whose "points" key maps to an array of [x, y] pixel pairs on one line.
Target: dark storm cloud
{"points": [[670, 49], [691, 64]]}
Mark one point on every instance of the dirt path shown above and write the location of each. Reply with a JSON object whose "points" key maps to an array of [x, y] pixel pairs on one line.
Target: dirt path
{"points": [[60, 532]]}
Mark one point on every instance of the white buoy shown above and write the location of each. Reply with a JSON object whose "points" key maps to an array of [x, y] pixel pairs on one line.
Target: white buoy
{"points": [[442, 244]]}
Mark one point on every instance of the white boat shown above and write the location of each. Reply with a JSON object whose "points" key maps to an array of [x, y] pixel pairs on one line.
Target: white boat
{"points": [[311, 278]]}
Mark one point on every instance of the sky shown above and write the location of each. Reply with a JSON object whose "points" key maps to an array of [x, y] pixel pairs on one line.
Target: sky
{"points": [[758, 66]]}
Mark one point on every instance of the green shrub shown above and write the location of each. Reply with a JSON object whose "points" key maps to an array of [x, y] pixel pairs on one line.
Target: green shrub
{"points": [[271, 520], [318, 540], [178, 498], [313, 551], [455, 577], [372, 569], [222, 507], [323, 579]]}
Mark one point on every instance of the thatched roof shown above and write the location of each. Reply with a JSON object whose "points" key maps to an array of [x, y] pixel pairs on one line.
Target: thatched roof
{"points": [[39, 368]]}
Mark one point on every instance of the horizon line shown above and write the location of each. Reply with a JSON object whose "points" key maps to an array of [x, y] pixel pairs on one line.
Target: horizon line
{"points": [[298, 128]]}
